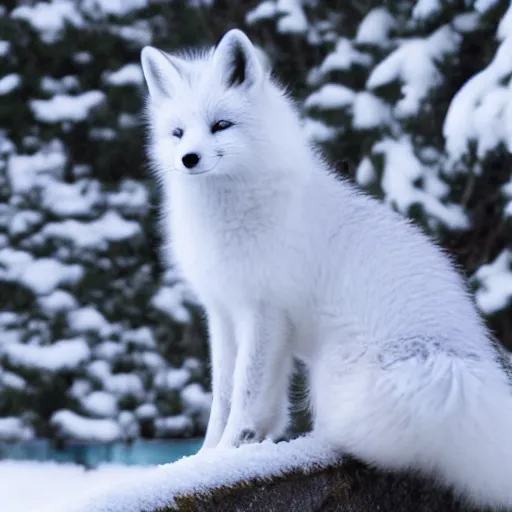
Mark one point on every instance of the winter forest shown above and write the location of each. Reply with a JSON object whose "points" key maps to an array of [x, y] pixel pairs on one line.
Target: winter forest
{"points": [[99, 339]]}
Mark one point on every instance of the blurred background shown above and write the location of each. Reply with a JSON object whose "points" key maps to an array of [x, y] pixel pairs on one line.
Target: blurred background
{"points": [[100, 343]]}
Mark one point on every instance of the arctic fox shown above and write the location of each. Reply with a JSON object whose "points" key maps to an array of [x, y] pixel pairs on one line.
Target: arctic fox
{"points": [[291, 261]]}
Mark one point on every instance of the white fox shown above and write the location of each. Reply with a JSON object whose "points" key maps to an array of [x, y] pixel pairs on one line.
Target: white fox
{"points": [[290, 261]]}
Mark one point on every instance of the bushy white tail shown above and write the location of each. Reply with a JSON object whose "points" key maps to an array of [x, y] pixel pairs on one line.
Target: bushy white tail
{"points": [[478, 455]]}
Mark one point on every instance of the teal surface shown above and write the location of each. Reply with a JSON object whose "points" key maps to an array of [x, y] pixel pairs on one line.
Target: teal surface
{"points": [[137, 453]]}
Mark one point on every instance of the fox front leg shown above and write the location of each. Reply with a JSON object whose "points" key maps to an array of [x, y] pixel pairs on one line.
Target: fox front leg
{"points": [[222, 355], [259, 405]]}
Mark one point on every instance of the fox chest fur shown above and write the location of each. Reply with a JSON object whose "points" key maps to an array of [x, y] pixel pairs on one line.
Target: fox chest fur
{"points": [[229, 243]]}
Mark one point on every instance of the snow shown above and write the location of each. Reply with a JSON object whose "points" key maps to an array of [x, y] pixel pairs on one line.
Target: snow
{"points": [[466, 22], [505, 25], [151, 360], [87, 319], [44, 275], [124, 384], [344, 57], [9, 319], [80, 388], [11, 380], [401, 170], [172, 378], [100, 370], [485, 5], [9, 82], [369, 111], [100, 403], [263, 11], [414, 64], [426, 9], [11, 337], [375, 28], [495, 283], [146, 411], [292, 19], [74, 426], [111, 227], [489, 125], [141, 337], [49, 18], [101, 8], [108, 350], [174, 426], [317, 131], [169, 300], [70, 199], [365, 172], [13, 429], [468, 109], [195, 399], [57, 302], [130, 74], [139, 32], [23, 170], [129, 425], [61, 355], [132, 198], [330, 96], [24, 221], [82, 57], [63, 107], [27, 486], [59, 86], [5, 47], [156, 488]]}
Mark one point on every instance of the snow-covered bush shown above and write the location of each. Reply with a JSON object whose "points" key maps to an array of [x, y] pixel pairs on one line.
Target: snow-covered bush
{"points": [[98, 341]]}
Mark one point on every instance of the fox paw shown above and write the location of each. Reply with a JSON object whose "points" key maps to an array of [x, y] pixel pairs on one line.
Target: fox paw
{"points": [[243, 436]]}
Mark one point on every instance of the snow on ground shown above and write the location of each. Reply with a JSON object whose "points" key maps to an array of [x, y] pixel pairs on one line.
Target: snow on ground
{"points": [[150, 489], [27, 486]]}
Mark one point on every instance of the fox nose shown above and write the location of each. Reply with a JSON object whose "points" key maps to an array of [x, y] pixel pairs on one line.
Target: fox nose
{"points": [[190, 160]]}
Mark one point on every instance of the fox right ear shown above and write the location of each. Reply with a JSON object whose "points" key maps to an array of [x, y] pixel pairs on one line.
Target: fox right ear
{"points": [[238, 60], [161, 71]]}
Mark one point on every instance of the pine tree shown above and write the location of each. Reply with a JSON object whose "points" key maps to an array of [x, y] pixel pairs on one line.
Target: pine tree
{"points": [[411, 100]]}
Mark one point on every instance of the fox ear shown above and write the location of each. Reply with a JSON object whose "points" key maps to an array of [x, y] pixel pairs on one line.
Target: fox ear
{"points": [[237, 59], [161, 71]]}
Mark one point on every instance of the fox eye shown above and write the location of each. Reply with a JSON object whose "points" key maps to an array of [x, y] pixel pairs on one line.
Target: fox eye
{"points": [[177, 132], [221, 125]]}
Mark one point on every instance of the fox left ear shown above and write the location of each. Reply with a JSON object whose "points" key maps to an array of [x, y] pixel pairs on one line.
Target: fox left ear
{"points": [[238, 60]]}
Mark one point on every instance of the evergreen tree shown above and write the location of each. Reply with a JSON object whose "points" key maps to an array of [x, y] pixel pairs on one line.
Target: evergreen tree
{"points": [[99, 339]]}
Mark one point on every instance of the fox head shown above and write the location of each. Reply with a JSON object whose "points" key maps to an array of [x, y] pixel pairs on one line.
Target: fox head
{"points": [[211, 112]]}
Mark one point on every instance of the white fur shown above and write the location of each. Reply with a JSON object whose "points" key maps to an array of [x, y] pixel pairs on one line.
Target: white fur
{"points": [[291, 262]]}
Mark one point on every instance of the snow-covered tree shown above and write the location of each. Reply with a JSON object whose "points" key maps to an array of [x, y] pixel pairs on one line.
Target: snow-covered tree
{"points": [[98, 341], [98, 338]]}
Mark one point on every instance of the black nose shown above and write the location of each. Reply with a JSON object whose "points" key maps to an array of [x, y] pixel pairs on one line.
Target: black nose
{"points": [[190, 160]]}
